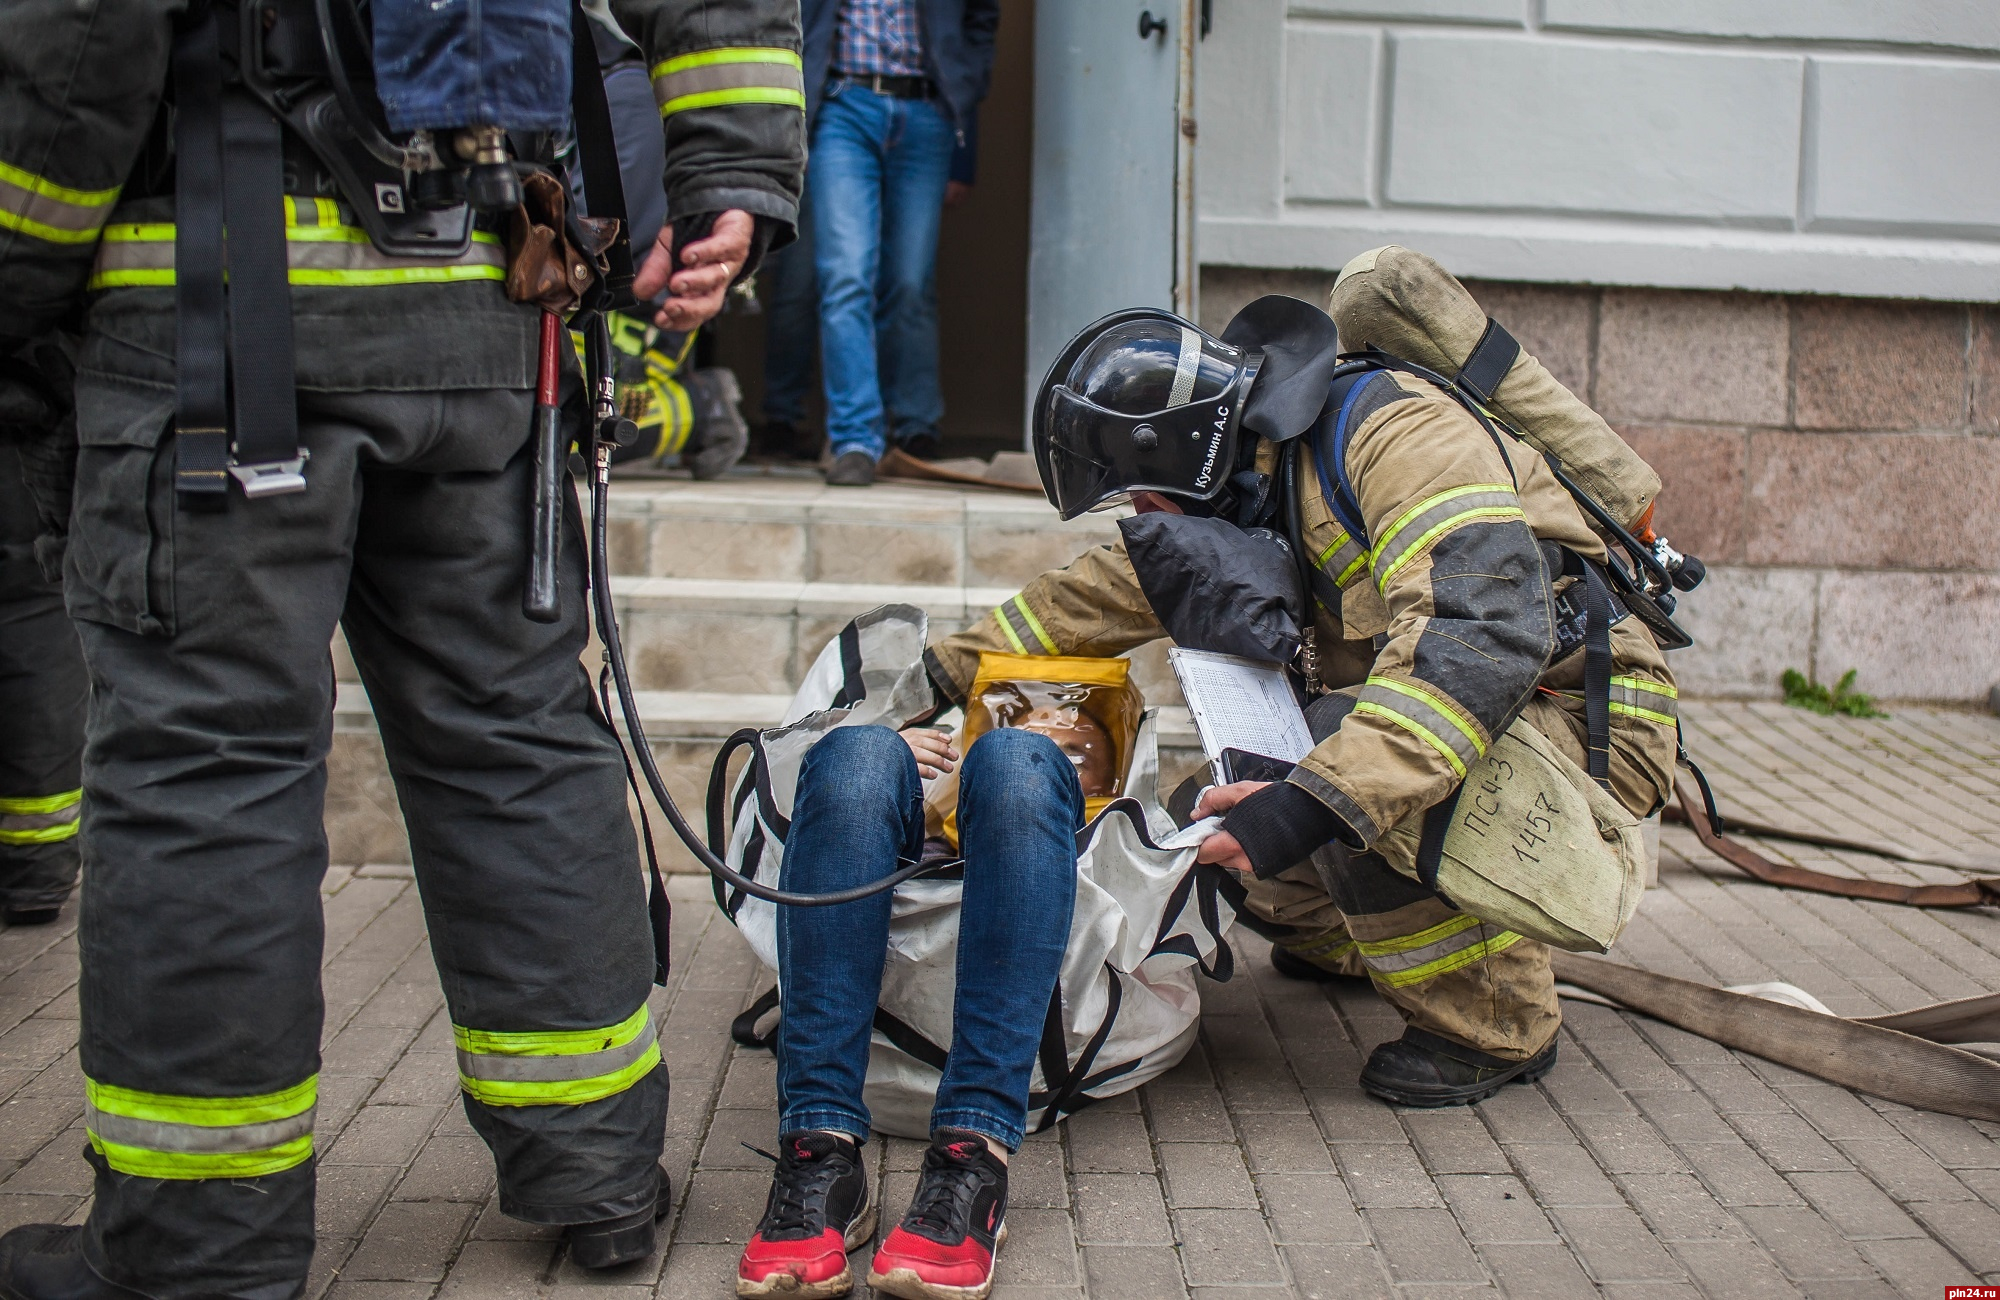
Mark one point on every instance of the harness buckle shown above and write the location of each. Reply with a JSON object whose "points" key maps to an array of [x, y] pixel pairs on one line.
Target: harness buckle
{"points": [[272, 478]]}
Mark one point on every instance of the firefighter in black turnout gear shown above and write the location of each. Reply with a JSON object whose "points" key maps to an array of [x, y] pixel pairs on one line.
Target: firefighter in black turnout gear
{"points": [[368, 465]]}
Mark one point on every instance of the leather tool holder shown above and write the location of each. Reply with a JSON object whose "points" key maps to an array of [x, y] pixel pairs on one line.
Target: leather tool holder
{"points": [[555, 257]]}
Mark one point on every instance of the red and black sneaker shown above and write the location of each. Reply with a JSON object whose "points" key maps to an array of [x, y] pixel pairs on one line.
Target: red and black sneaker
{"points": [[820, 1207], [944, 1247]]}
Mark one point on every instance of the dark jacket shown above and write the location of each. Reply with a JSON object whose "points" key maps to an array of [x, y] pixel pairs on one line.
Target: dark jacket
{"points": [[958, 49]]}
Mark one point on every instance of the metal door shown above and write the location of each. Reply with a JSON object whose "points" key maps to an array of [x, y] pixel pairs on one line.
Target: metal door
{"points": [[1111, 214]]}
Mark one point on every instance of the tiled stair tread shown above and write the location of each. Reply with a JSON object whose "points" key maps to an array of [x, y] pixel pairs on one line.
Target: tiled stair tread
{"points": [[790, 500], [700, 715], [749, 596]]}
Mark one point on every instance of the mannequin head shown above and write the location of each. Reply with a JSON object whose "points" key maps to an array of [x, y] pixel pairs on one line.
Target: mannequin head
{"points": [[1083, 740]]}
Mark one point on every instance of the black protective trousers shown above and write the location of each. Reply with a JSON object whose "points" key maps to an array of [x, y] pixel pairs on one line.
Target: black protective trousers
{"points": [[206, 636], [42, 693]]}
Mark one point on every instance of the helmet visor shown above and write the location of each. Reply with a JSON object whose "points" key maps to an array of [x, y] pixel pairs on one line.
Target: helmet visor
{"points": [[1090, 454]]}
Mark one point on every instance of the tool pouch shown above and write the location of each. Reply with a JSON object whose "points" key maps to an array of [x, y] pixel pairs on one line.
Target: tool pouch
{"points": [[555, 257]]}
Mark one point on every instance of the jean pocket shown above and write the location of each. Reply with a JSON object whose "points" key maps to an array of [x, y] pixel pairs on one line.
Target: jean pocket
{"points": [[119, 568]]}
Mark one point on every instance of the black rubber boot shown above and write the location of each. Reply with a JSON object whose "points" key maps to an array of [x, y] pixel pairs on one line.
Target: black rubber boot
{"points": [[44, 1261], [29, 915], [1294, 967], [1421, 1069], [627, 1240]]}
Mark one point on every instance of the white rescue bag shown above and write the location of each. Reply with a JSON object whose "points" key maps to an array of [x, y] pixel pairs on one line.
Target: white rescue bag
{"points": [[1148, 921]]}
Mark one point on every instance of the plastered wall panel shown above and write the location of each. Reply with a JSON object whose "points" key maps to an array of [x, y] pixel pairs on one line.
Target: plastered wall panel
{"points": [[1963, 24], [1512, 13], [1906, 144], [1329, 112], [1593, 128], [1239, 111]]}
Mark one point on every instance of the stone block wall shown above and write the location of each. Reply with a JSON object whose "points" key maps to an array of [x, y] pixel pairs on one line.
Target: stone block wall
{"points": [[1835, 461]]}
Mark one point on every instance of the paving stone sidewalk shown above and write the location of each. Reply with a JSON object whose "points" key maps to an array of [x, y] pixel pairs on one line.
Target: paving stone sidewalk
{"points": [[1650, 1163]]}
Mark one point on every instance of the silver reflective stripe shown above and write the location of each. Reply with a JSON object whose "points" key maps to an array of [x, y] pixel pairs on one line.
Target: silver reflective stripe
{"points": [[556, 1069], [66, 220], [1186, 367], [41, 821], [158, 1135], [310, 255], [1471, 936], [1410, 705], [1637, 693], [728, 76], [1418, 530]]}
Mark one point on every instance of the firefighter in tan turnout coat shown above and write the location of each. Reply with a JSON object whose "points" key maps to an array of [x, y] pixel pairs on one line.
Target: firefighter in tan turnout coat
{"points": [[1435, 629]]}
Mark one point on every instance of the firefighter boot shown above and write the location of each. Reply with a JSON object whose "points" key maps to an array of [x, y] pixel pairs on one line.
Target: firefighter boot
{"points": [[720, 436], [42, 1261], [625, 1240], [1422, 1069]]}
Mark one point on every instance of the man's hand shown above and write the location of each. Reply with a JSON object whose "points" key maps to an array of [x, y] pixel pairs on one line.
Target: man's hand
{"points": [[1221, 847], [933, 748], [707, 268]]}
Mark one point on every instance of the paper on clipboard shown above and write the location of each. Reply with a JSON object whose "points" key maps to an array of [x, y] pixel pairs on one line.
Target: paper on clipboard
{"points": [[1241, 704]]}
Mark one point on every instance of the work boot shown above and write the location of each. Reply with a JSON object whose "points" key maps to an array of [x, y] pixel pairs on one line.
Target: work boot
{"points": [[29, 915], [44, 1261], [821, 1205], [624, 1240], [720, 435], [945, 1246], [851, 469], [1422, 1069]]}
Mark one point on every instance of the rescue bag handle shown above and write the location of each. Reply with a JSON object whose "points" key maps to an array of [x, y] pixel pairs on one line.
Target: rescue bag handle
{"points": [[614, 653]]}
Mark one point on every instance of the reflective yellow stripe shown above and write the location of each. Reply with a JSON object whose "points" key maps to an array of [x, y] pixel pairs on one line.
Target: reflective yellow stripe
{"points": [[1640, 697], [1034, 624], [557, 1067], [46, 803], [161, 1135], [1426, 715], [1447, 946], [1007, 630], [141, 255], [1434, 516], [1346, 549], [716, 78], [35, 205]]}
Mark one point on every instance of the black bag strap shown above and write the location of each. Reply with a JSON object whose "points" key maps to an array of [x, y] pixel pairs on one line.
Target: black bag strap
{"points": [[743, 1029], [1489, 361], [597, 152], [263, 370], [1430, 845], [201, 348], [1597, 667]]}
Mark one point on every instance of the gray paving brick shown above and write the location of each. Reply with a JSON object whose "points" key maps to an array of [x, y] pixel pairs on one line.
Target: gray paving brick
{"points": [[410, 1241], [419, 1079], [503, 1270], [1951, 1141], [368, 1051], [1804, 1244], [1523, 1115], [1733, 1270], [1790, 1143], [1917, 1267], [57, 1169], [723, 1206], [1495, 1210], [1185, 1114], [729, 1130], [1040, 1250], [1382, 1176], [1624, 1143], [1207, 1176], [1683, 1116], [1563, 1175], [1735, 1090], [348, 1197], [384, 1135], [1350, 1115], [1454, 1141], [1905, 1170], [751, 1082], [1226, 1248], [449, 1168], [17, 1209], [1969, 1229], [1116, 1209], [1132, 1273], [1578, 1087], [345, 1289], [1331, 1272], [29, 1124], [703, 1272], [1856, 1206], [1737, 1175], [1614, 1245], [1283, 1144], [1262, 1089], [1424, 1246], [1102, 1141], [1035, 1174], [36, 1044], [1310, 1209], [1545, 1272], [1678, 1208]]}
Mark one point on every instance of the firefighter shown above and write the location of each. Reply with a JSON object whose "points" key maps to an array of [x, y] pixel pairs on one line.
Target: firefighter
{"points": [[206, 582], [1432, 635]]}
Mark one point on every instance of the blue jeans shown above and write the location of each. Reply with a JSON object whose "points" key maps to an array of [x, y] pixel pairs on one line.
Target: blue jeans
{"points": [[859, 808], [875, 182]]}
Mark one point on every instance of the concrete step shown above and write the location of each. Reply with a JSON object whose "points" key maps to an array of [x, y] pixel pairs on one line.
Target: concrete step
{"points": [[684, 728]]}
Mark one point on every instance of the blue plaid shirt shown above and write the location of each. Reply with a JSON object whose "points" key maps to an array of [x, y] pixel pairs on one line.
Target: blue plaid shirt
{"points": [[874, 37]]}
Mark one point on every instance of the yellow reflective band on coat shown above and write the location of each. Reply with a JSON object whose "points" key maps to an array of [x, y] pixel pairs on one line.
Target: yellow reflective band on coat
{"points": [[1445, 947], [1022, 629], [35, 205], [1426, 716], [141, 255], [1344, 560], [1435, 516], [556, 1067], [40, 819], [736, 75], [1640, 697], [158, 1135]]}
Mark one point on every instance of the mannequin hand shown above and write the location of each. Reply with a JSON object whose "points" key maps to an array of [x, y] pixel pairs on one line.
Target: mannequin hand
{"points": [[933, 749]]}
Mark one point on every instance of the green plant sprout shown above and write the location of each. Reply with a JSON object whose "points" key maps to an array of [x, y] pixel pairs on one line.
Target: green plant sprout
{"points": [[1802, 692]]}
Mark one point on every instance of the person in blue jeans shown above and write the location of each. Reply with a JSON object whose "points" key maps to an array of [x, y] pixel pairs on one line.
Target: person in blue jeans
{"points": [[858, 812], [890, 87]]}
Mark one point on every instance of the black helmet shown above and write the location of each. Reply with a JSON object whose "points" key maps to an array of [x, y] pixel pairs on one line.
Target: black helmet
{"points": [[1141, 401]]}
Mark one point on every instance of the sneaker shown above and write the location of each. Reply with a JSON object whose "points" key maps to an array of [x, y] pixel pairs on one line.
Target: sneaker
{"points": [[820, 1207], [923, 444], [720, 435], [1422, 1069], [851, 469], [944, 1247], [41, 1261], [628, 1239]]}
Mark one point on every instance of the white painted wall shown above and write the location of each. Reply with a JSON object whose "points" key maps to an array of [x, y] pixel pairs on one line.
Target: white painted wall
{"points": [[1828, 146]]}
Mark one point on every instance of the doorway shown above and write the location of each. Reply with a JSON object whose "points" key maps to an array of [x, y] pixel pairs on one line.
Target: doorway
{"points": [[982, 272]]}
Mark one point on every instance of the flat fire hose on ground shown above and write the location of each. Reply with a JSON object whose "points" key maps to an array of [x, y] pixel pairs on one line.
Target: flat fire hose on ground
{"points": [[1904, 1057], [1977, 892]]}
